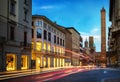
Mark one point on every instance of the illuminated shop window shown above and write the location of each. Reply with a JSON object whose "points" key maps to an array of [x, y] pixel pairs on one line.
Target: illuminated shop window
{"points": [[54, 62], [38, 46], [32, 45], [24, 62], [48, 61], [48, 47], [44, 62], [57, 62], [38, 63], [44, 47], [54, 49], [60, 50], [10, 62]]}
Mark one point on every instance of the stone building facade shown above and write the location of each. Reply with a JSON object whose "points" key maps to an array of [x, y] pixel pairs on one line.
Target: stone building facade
{"points": [[48, 43], [114, 34], [68, 45], [15, 34], [75, 46]]}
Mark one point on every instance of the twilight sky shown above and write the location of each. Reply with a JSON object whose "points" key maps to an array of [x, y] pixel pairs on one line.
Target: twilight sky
{"points": [[83, 15]]}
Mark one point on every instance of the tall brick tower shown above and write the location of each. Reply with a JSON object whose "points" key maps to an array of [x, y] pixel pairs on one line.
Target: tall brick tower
{"points": [[103, 36]]}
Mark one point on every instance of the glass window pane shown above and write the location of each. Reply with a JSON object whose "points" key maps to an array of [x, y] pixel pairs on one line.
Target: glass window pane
{"points": [[38, 46], [39, 33]]}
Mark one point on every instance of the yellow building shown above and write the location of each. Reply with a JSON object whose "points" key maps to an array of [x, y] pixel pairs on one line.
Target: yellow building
{"points": [[48, 43]]}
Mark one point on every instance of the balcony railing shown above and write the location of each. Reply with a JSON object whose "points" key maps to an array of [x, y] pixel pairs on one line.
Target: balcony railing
{"points": [[26, 45], [115, 29]]}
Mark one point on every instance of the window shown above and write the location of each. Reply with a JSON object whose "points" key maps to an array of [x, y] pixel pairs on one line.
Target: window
{"points": [[54, 38], [25, 38], [12, 7], [12, 33], [49, 36], [49, 28], [52, 29], [61, 42], [38, 46], [25, 14], [39, 33], [45, 35], [44, 46], [10, 62], [32, 33], [49, 47], [32, 23], [24, 63], [38, 23], [32, 45], [57, 40], [44, 25], [26, 2]]}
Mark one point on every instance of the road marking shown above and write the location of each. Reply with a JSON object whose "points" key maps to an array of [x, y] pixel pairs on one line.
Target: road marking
{"points": [[47, 79]]}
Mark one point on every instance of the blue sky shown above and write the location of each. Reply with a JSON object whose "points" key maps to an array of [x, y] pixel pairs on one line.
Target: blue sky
{"points": [[83, 15]]}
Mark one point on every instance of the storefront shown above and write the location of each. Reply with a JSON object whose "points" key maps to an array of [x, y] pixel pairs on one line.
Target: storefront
{"points": [[24, 62], [38, 63], [11, 62]]}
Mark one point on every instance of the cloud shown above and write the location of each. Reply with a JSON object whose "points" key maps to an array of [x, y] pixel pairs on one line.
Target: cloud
{"points": [[95, 32], [47, 7]]}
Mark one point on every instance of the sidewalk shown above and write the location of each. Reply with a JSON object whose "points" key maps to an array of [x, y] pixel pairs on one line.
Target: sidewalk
{"points": [[20, 73]]}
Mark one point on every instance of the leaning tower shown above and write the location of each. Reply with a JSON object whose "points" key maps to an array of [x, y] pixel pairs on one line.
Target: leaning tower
{"points": [[103, 35]]}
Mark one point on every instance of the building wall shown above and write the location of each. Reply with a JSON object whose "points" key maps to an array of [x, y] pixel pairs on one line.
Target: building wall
{"points": [[13, 51], [49, 54], [75, 40], [114, 36], [68, 46], [91, 42], [75, 46]]}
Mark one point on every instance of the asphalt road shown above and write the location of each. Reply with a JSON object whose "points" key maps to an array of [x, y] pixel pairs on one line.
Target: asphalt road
{"points": [[70, 75], [96, 75], [45, 76]]}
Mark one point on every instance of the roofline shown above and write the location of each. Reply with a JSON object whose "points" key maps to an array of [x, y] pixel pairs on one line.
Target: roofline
{"points": [[48, 20], [64, 28], [73, 29]]}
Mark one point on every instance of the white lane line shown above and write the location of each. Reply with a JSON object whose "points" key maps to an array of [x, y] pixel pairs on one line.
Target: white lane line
{"points": [[47, 79]]}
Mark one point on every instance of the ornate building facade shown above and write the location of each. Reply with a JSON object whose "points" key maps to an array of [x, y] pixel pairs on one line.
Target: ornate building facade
{"points": [[114, 34], [15, 34], [48, 43]]}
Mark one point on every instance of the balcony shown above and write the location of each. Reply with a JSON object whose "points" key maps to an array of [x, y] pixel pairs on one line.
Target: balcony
{"points": [[115, 30], [26, 46], [47, 52]]}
